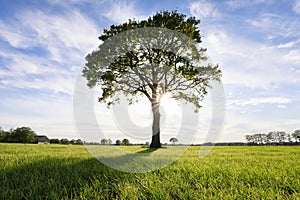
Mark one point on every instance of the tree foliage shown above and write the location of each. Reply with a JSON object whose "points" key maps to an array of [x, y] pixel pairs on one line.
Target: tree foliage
{"points": [[64, 141], [125, 142], [273, 137], [173, 140], [54, 141], [140, 68], [103, 141], [151, 58], [296, 135], [3, 135], [22, 135], [118, 142]]}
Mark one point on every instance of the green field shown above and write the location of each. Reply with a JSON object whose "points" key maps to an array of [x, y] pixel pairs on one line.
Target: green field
{"points": [[70, 172]]}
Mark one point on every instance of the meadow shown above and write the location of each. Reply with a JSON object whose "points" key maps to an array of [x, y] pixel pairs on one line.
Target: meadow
{"points": [[30, 171]]}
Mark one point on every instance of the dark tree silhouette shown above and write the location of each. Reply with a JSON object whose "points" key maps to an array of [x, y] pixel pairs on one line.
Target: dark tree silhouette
{"points": [[174, 140], [22, 135], [54, 141], [64, 141], [3, 135], [296, 135], [125, 141], [103, 141], [118, 142]]}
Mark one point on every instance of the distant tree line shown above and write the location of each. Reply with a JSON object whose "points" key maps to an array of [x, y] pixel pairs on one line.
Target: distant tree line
{"points": [[27, 135], [118, 142], [66, 141], [18, 135], [274, 138]]}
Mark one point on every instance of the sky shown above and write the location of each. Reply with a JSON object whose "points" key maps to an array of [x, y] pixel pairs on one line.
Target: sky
{"points": [[256, 43]]}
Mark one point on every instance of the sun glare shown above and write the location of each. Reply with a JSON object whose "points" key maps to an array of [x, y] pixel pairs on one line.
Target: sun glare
{"points": [[169, 103]]}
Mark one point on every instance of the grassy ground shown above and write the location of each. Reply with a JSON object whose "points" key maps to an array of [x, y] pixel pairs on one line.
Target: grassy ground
{"points": [[70, 172]]}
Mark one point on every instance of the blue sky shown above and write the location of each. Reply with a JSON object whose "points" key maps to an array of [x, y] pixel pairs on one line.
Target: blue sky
{"points": [[256, 43]]}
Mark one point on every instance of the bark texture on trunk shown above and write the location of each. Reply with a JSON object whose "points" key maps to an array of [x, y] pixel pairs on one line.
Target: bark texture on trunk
{"points": [[155, 143]]}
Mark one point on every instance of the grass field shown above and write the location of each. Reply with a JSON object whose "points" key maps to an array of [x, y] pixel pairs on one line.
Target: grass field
{"points": [[70, 172]]}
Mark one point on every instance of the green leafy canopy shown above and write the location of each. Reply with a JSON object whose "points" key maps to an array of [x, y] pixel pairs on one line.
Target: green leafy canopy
{"points": [[152, 57]]}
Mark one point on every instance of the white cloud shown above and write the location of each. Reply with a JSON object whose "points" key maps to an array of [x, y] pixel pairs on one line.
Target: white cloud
{"points": [[296, 7], [72, 30], [63, 41], [68, 2], [237, 4], [248, 63], [121, 11], [290, 44], [40, 29], [15, 36], [259, 101], [203, 9], [240, 124], [49, 114], [293, 56], [53, 83], [276, 26]]}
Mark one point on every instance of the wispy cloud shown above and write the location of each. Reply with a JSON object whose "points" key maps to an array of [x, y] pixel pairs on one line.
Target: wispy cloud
{"points": [[204, 9], [121, 11], [290, 44], [237, 4], [60, 43], [260, 70], [293, 56], [259, 101], [71, 30], [275, 26], [296, 7]]}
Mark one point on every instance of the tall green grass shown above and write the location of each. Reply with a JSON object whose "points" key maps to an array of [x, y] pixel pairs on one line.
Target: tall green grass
{"points": [[70, 172]]}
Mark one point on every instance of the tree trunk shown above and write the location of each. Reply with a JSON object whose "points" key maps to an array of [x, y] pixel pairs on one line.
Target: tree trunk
{"points": [[155, 143]]}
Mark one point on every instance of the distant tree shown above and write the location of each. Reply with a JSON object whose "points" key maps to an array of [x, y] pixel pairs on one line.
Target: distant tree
{"points": [[147, 143], [277, 136], [259, 138], [272, 137], [73, 141], [247, 137], [289, 137], [118, 142], [281, 136], [79, 142], [296, 135], [269, 138], [173, 140], [54, 141], [64, 141], [125, 142], [103, 141], [262, 138], [3, 135], [23, 135], [109, 141]]}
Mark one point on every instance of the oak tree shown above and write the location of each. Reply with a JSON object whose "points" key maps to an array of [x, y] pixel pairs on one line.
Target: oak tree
{"points": [[151, 58]]}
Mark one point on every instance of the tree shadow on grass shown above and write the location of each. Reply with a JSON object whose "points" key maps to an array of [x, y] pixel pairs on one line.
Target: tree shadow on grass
{"points": [[74, 177], [146, 160], [55, 178], [150, 150]]}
